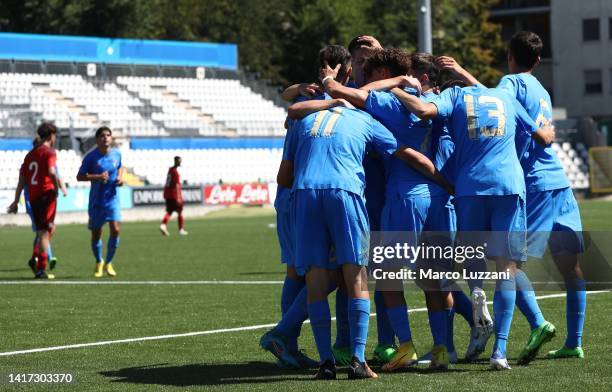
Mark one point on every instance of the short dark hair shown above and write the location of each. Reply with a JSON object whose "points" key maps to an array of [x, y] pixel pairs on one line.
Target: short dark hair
{"points": [[424, 63], [45, 130], [525, 47], [177, 157], [357, 44], [452, 83], [395, 60], [334, 55], [102, 129]]}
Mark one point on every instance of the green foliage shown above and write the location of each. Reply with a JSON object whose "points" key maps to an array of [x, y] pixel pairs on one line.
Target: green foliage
{"points": [[277, 39]]}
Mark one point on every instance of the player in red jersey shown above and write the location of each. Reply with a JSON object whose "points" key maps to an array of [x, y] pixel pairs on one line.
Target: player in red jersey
{"points": [[39, 175], [173, 198]]}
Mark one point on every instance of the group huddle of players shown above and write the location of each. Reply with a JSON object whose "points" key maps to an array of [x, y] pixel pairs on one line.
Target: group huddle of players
{"points": [[40, 181], [380, 144]]}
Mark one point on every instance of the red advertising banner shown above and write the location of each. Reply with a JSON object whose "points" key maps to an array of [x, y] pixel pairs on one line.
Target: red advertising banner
{"points": [[236, 194]]}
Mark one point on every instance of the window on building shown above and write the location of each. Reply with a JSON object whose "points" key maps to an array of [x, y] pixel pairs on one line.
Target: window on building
{"points": [[610, 28], [592, 81], [590, 29]]}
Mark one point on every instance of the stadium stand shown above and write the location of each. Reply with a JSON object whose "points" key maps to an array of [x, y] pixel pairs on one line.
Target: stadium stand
{"points": [[186, 104]]}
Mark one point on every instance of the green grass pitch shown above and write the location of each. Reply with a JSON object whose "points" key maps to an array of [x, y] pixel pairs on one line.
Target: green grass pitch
{"points": [[236, 245]]}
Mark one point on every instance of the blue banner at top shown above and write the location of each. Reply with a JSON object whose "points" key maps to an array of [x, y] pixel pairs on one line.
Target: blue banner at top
{"points": [[65, 48]]}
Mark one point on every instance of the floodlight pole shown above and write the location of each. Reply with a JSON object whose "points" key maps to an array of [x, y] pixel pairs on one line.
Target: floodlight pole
{"points": [[424, 17]]}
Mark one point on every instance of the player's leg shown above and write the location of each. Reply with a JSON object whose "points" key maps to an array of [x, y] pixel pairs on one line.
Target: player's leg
{"points": [[398, 219], [44, 212], [96, 248], [111, 248], [317, 283], [504, 301], [347, 222], [385, 349], [540, 218], [342, 345], [507, 247], [181, 220], [473, 223], [575, 307], [164, 225], [567, 247]]}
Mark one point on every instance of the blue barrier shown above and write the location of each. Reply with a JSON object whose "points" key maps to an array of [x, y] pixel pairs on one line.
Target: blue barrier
{"points": [[15, 144], [169, 143], [78, 199], [40, 47]]}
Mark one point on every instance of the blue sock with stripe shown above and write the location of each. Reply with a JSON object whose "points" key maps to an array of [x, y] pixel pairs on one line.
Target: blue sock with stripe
{"points": [[359, 320], [437, 325], [96, 248], [111, 247], [526, 300], [398, 317], [343, 338], [383, 326], [320, 321], [575, 309], [291, 289], [463, 306], [503, 309]]}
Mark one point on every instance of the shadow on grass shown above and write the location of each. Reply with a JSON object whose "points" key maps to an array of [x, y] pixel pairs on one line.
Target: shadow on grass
{"points": [[262, 273], [206, 374]]}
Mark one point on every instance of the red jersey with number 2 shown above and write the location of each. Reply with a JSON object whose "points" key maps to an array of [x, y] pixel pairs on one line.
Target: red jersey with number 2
{"points": [[172, 190], [35, 169]]}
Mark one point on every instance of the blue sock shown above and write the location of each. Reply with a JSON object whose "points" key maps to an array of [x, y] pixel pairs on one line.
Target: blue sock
{"points": [[463, 306], [575, 310], [503, 309], [291, 288], [359, 320], [437, 325], [320, 321], [476, 265], [111, 247], [526, 300], [398, 317], [450, 321], [49, 251], [290, 325], [343, 338], [383, 326], [96, 248]]}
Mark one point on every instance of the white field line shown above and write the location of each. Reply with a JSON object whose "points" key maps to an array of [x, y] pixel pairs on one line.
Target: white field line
{"points": [[210, 332], [137, 282]]}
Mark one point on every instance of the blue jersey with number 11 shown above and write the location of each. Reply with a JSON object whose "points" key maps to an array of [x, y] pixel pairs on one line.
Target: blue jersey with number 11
{"points": [[483, 124]]}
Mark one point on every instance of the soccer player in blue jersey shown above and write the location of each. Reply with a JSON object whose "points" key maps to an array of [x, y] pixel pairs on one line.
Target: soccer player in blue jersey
{"points": [[281, 341], [359, 48], [327, 148], [553, 218], [490, 190], [413, 203], [102, 167]]}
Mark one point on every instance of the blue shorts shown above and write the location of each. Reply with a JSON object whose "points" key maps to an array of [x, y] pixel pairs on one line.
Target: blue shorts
{"points": [[429, 220], [326, 218], [100, 215], [500, 222], [286, 240], [553, 219]]}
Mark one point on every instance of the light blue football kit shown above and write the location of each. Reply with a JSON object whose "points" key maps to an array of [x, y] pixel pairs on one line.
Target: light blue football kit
{"points": [[327, 149], [547, 187], [103, 198], [553, 217], [489, 186]]}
